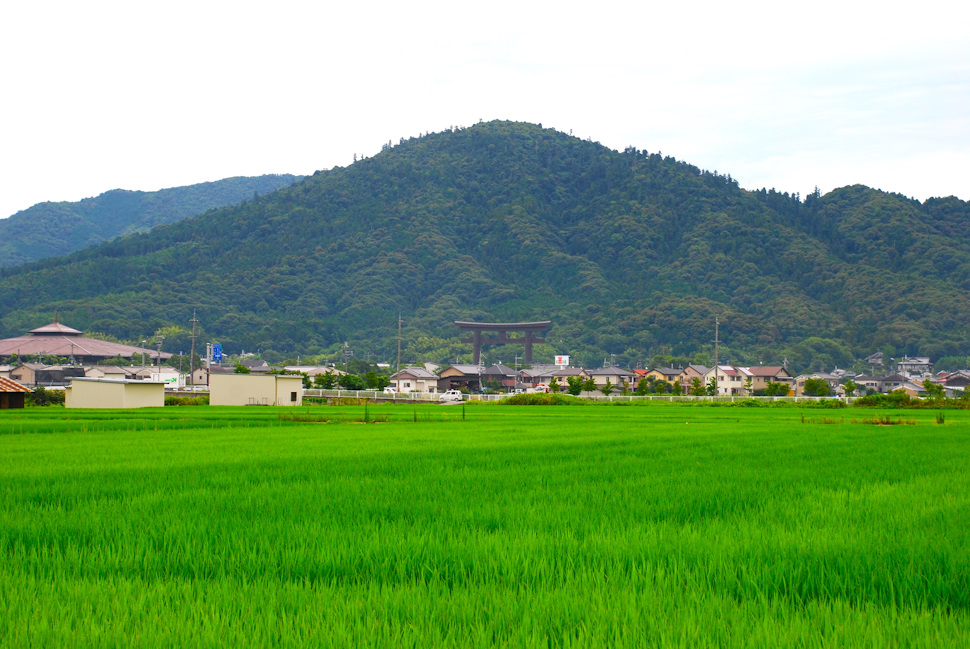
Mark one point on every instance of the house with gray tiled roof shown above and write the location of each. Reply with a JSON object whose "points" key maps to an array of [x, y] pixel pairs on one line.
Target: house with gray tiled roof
{"points": [[415, 379], [615, 375]]}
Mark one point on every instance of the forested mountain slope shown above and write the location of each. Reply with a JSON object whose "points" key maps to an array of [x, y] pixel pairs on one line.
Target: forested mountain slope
{"points": [[54, 229], [626, 252]]}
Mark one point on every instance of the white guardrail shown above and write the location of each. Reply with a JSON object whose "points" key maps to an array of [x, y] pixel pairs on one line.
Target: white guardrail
{"points": [[429, 397], [394, 396]]}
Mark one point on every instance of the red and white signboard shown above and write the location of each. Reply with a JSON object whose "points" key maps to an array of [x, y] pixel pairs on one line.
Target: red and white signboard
{"points": [[562, 361]]}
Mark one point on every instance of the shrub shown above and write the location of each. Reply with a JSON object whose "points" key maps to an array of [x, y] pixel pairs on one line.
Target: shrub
{"points": [[42, 397], [542, 399], [172, 400], [896, 399]]}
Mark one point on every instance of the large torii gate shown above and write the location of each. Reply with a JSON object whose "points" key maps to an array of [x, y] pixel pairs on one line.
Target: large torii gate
{"points": [[502, 338]]}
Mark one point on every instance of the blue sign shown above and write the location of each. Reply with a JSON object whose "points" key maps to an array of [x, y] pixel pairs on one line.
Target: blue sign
{"points": [[217, 352]]}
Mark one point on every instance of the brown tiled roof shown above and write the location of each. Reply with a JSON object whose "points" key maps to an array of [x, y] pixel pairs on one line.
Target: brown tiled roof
{"points": [[9, 385], [765, 370]]}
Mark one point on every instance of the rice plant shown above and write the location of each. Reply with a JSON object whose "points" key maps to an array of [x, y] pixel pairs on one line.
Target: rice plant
{"points": [[503, 525]]}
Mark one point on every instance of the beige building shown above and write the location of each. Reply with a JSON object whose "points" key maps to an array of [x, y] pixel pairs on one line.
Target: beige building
{"points": [[113, 393], [255, 390]]}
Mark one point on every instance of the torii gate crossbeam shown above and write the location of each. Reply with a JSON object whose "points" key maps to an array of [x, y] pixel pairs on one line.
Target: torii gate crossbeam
{"points": [[501, 336]]}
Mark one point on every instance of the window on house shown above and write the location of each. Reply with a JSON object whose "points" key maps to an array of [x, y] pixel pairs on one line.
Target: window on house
{"points": [[293, 397]]}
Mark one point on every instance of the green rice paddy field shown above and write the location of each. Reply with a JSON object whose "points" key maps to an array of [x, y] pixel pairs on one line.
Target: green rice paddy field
{"points": [[666, 525]]}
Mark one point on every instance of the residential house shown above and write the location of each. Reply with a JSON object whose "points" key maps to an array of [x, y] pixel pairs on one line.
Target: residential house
{"points": [[761, 375], [12, 393], [668, 374], [913, 389], [867, 382], [256, 365], [833, 381], [106, 372], [314, 370], [456, 377], [616, 376], [730, 380], [893, 382], [958, 379], [203, 375], [45, 375], [562, 376], [26, 373], [915, 365], [639, 375], [415, 379], [691, 372], [502, 374], [875, 360]]}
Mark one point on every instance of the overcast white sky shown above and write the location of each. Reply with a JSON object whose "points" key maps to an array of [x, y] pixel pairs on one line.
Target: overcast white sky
{"points": [[104, 95]]}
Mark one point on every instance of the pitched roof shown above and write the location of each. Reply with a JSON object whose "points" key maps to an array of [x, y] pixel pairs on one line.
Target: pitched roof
{"points": [[416, 372], [499, 370], [71, 344], [610, 371], [568, 371], [465, 369], [765, 370], [55, 328], [105, 369], [9, 385]]}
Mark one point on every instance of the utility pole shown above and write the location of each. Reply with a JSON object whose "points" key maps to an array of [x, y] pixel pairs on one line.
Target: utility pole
{"points": [[158, 350], [515, 380], [717, 341], [399, 353], [192, 353]]}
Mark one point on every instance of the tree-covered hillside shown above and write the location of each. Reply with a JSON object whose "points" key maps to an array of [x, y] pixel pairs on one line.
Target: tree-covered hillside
{"points": [[54, 229], [628, 253]]}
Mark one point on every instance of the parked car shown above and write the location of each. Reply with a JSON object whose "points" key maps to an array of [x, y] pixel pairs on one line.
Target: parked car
{"points": [[390, 390], [450, 396]]}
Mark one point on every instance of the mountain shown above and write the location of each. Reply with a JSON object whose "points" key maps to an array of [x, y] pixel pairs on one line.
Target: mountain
{"points": [[54, 229], [628, 253]]}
